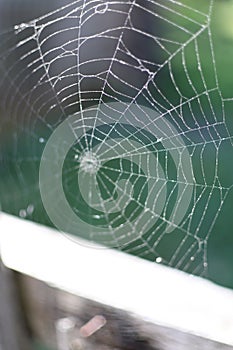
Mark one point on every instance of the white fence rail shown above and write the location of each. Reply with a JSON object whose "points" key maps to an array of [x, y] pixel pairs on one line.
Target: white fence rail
{"points": [[153, 292]]}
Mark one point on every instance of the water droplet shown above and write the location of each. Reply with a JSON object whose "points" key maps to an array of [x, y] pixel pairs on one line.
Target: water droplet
{"points": [[159, 259], [101, 8], [97, 216], [30, 209], [41, 140], [22, 213], [19, 27]]}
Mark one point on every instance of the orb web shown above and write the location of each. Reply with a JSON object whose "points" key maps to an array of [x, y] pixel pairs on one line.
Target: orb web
{"points": [[135, 83]]}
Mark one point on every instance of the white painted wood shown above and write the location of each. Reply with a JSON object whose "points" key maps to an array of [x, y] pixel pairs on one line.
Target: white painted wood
{"points": [[162, 295]]}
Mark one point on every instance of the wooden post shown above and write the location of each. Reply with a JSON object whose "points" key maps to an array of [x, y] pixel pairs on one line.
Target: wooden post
{"points": [[12, 333]]}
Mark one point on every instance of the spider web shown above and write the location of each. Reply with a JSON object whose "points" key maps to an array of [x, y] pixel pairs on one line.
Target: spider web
{"points": [[117, 105]]}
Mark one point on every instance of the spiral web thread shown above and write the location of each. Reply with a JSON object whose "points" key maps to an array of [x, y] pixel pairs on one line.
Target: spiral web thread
{"points": [[91, 53]]}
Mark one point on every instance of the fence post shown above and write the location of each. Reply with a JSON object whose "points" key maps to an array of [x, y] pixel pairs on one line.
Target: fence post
{"points": [[12, 332]]}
